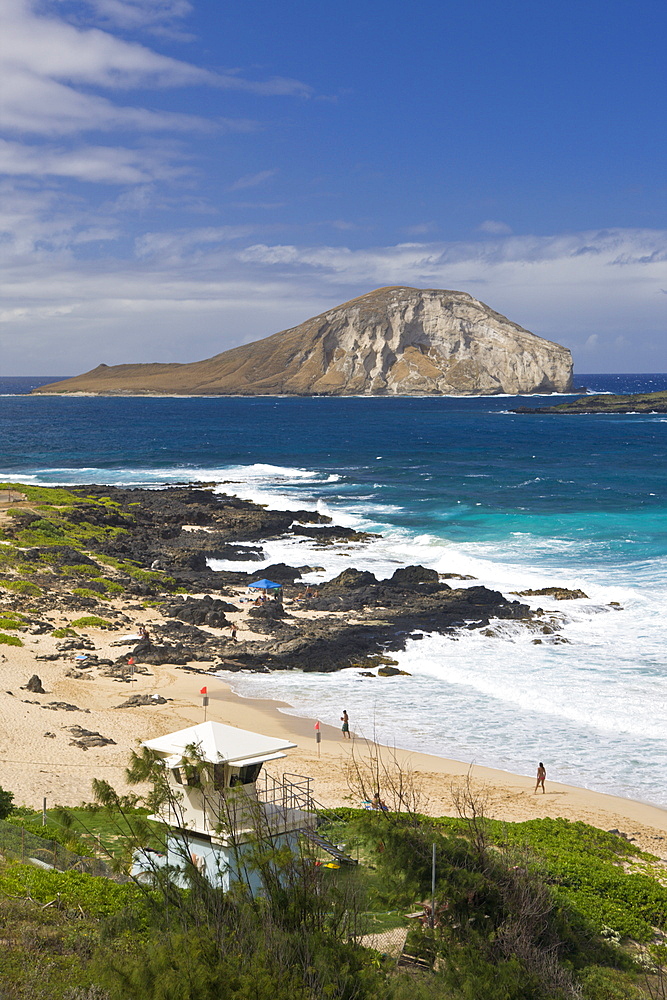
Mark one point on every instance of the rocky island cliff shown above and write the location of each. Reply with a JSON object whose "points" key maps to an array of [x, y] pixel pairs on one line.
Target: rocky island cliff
{"points": [[394, 341]]}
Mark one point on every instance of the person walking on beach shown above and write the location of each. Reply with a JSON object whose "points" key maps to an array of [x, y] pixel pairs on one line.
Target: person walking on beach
{"points": [[346, 725], [541, 775]]}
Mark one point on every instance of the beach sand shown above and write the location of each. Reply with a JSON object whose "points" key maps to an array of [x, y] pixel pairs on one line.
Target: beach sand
{"points": [[35, 765]]}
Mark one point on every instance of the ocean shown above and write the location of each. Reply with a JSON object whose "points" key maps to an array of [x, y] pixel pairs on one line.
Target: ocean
{"points": [[458, 484]]}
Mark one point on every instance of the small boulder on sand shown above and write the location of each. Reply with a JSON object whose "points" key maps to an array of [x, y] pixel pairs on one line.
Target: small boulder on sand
{"points": [[34, 685]]}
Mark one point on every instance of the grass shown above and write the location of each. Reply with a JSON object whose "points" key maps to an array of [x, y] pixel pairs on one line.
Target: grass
{"points": [[45, 955], [84, 570], [21, 587], [93, 895], [87, 592], [9, 640], [589, 871], [96, 826], [11, 620], [91, 621]]}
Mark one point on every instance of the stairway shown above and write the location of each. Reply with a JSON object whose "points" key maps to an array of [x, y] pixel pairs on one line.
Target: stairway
{"points": [[326, 845]]}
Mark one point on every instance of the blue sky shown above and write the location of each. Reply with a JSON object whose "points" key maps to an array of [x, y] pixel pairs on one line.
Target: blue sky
{"points": [[181, 177]]}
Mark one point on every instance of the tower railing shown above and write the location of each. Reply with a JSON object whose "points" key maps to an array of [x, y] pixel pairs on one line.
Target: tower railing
{"points": [[292, 792]]}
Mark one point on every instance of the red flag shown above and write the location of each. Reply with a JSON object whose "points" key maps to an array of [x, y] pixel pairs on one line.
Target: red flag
{"points": [[317, 724], [203, 690], [131, 661]]}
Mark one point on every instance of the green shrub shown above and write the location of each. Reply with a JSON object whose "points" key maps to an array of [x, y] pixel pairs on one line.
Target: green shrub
{"points": [[20, 514], [46, 527], [585, 867], [10, 556], [6, 803], [91, 621], [110, 561], [49, 495], [81, 569], [9, 640], [86, 592], [148, 576], [97, 896], [11, 621], [21, 587], [64, 633]]}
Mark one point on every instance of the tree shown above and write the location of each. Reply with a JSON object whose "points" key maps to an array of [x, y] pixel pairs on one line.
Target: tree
{"points": [[6, 803]]}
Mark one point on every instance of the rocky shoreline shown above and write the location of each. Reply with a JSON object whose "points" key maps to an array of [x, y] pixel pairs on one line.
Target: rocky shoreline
{"points": [[640, 402], [78, 550], [84, 571]]}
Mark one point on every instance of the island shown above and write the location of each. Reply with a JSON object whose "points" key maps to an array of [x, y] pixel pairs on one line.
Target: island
{"points": [[395, 341], [639, 402]]}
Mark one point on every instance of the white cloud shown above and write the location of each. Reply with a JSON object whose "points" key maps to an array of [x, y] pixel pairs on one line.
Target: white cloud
{"points": [[494, 228], [50, 47], [158, 16], [252, 180], [175, 246], [109, 164], [193, 293], [45, 61], [33, 105], [420, 229]]}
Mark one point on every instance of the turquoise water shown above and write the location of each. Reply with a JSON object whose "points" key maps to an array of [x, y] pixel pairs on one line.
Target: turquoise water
{"points": [[462, 485]]}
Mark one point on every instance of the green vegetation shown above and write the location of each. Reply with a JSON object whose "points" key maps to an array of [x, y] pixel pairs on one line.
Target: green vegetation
{"points": [[59, 524], [53, 831], [46, 955], [91, 621], [64, 633], [12, 620], [9, 640], [9, 555], [6, 803], [87, 592], [50, 496], [506, 923], [589, 869], [85, 570], [96, 896], [21, 587]]}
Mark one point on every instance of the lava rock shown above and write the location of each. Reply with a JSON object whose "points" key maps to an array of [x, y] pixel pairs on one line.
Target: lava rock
{"points": [[410, 575], [558, 593], [268, 610], [351, 579], [64, 706], [86, 738], [202, 611], [137, 700]]}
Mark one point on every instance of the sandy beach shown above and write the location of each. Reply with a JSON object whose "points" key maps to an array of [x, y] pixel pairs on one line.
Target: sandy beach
{"points": [[39, 759]]}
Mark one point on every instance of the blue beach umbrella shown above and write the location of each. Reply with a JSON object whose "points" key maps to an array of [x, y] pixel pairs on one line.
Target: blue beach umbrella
{"points": [[265, 585]]}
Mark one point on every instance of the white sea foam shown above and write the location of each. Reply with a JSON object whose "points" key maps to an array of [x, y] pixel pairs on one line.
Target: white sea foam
{"points": [[594, 706]]}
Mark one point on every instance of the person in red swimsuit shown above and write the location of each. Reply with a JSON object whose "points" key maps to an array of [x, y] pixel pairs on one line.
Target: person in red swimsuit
{"points": [[541, 775]]}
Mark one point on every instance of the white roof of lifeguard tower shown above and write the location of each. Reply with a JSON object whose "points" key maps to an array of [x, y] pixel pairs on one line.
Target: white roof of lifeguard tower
{"points": [[217, 743]]}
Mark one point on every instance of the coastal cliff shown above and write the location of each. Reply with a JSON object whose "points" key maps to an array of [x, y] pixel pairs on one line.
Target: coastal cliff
{"points": [[394, 341]]}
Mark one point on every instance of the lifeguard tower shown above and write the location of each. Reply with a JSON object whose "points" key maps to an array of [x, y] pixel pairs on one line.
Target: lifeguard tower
{"points": [[221, 804]]}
